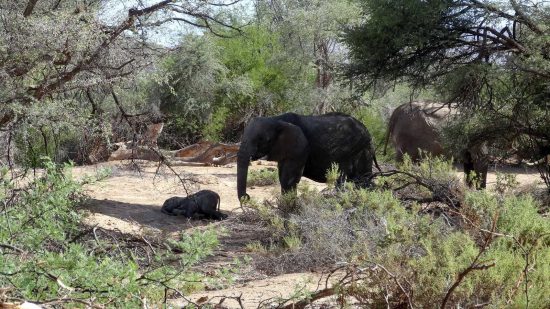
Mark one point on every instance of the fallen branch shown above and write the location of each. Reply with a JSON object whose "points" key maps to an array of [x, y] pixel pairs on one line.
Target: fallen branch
{"points": [[11, 248], [316, 296]]}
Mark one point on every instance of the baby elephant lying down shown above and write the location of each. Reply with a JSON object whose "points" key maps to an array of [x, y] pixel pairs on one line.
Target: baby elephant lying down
{"points": [[204, 202]]}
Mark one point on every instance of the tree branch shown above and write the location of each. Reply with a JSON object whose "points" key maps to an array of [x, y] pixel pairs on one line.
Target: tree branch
{"points": [[474, 265], [30, 7], [525, 19], [11, 247], [313, 297]]}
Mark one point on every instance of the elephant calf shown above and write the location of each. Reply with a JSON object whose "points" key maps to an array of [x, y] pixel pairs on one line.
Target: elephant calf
{"points": [[204, 202]]}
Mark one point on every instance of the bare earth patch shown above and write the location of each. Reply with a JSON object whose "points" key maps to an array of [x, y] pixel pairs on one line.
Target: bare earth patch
{"points": [[130, 201]]}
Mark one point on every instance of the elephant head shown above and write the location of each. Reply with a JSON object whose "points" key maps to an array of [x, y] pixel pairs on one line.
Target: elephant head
{"points": [[271, 139]]}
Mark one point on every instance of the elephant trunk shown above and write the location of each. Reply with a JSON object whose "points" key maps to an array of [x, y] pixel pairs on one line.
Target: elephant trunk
{"points": [[243, 160]]}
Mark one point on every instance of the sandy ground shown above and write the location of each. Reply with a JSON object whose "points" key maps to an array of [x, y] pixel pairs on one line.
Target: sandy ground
{"points": [[129, 200]]}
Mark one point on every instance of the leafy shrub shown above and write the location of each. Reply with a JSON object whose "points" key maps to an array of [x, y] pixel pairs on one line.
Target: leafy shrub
{"points": [[378, 129], [263, 177], [488, 251], [213, 130], [333, 173], [47, 254], [432, 179]]}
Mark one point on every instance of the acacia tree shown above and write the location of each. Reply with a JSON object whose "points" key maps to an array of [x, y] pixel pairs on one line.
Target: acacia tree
{"points": [[490, 57], [54, 46], [65, 52], [308, 30]]}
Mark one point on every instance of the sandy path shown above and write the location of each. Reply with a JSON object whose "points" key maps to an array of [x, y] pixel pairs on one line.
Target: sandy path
{"points": [[269, 291], [130, 201]]}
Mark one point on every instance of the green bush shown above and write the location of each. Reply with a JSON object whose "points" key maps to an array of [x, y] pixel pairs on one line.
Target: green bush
{"points": [[378, 128], [433, 179], [47, 254], [263, 177], [213, 130], [406, 255]]}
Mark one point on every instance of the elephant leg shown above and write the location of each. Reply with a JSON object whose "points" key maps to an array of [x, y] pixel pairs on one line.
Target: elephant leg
{"points": [[475, 170], [399, 155], [290, 173], [483, 180], [481, 167], [473, 177]]}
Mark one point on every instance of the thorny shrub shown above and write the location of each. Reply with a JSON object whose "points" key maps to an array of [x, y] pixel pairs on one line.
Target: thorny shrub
{"points": [[492, 252], [433, 179], [48, 256], [263, 177]]}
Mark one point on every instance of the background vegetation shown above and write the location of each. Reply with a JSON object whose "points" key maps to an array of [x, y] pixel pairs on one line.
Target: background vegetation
{"points": [[427, 244], [78, 76]]}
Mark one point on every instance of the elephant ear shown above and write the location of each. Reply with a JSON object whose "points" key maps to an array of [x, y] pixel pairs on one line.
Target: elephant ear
{"points": [[290, 142]]}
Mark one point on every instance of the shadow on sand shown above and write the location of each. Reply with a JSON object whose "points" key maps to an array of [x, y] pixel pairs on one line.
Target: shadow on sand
{"points": [[147, 216]]}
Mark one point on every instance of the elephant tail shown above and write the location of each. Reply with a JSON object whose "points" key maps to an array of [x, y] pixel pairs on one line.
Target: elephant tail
{"points": [[391, 125], [376, 162], [386, 141]]}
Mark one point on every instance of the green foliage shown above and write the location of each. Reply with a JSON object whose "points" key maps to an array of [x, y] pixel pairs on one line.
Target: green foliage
{"points": [[46, 253], [378, 129], [211, 86], [503, 237], [432, 179], [45, 212], [214, 128], [188, 85], [211, 83], [333, 173], [501, 88], [53, 129], [525, 241], [262, 177], [506, 183], [252, 56], [381, 51]]}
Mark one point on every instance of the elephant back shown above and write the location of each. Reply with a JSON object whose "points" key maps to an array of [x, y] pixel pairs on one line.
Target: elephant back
{"points": [[416, 125], [337, 134]]}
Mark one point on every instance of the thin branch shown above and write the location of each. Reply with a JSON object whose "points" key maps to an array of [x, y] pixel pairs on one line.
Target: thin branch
{"points": [[223, 4], [474, 265], [492, 9], [11, 248], [313, 297], [66, 300], [394, 277], [30, 7], [525, 19]]}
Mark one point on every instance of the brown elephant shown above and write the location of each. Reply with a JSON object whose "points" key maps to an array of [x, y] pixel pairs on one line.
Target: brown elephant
{"points": [[415, 127]]}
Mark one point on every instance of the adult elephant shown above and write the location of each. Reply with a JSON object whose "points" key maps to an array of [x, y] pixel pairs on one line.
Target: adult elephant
{"points": [[415, 127], [306, 146]]}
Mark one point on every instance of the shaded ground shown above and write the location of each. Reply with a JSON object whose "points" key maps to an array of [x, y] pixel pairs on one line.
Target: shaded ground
{"points": [[130, 201]]}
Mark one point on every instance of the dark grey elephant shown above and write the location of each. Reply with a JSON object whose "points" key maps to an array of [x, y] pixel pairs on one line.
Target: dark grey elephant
{"points": [[204, 203], [306, 146], [416, 126]]}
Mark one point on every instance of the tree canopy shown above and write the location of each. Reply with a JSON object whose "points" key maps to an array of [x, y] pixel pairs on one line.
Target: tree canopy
{"points": [[54, 48], [492, 58]]}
